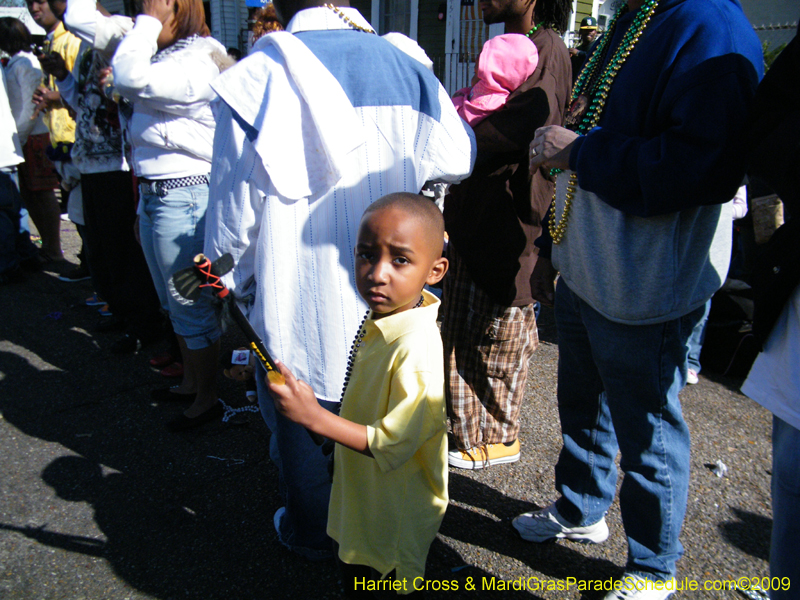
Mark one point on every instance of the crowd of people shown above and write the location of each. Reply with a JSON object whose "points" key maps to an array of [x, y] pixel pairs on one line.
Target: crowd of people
{"points": [[598, 181]]}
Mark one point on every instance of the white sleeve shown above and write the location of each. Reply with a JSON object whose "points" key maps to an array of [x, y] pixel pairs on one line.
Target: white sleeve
{"points": [[10, 148], [80, 19], [173, 85], [236, 201], [28, 76], [110, 32], [452, 155], [68, 91], [740, 203], [96, 29]]}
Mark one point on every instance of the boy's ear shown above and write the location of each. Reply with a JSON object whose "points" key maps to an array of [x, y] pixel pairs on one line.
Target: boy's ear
{"points": [[437, 271]]}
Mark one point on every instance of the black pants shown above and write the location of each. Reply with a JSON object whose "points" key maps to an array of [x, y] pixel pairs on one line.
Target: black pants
{"points": [[116, 262]]}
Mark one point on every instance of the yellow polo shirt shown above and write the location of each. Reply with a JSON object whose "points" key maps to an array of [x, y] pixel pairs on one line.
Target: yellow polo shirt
{"points": [[58, 121], [385, 511]]}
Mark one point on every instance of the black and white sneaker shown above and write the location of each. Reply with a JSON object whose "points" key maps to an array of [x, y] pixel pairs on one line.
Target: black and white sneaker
{"points": [[79, 273]]}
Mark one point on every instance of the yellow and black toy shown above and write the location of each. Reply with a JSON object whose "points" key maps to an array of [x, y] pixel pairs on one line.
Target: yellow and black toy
{"points": [[187, 284]]}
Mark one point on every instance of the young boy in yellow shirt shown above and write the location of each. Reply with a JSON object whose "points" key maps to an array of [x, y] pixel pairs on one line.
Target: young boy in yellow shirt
{"points": [[389, 490]]}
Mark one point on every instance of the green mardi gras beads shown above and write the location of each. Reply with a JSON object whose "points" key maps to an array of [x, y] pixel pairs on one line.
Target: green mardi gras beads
{"points": [[600, 87]]}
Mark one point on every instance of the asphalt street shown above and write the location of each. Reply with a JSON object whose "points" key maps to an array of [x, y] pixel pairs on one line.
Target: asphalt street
{"points": [[99, 501]]}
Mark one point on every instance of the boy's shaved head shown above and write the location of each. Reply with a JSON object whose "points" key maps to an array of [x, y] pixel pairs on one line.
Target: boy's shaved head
{"points": [[418, 207]]}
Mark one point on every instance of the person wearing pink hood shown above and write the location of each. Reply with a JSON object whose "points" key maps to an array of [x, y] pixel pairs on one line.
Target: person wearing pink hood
{"points": [[493, 219], [505, 63]]}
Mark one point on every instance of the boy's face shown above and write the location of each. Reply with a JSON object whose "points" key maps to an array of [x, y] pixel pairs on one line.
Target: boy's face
{"points": [[394, 260]]}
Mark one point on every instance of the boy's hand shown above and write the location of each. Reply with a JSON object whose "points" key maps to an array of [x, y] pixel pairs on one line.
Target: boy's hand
{"points": [[295, 400]]}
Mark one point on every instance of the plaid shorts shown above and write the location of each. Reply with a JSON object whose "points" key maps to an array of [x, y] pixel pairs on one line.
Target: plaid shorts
{"points": [[487, 347]]}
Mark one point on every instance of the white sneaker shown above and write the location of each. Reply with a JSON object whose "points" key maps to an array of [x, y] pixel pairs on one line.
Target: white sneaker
{"points": [[547, 524], [634, 587], [691, 377]]}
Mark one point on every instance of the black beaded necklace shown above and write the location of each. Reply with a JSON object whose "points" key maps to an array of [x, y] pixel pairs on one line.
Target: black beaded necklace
{"points": [[357, 343], [327, 447]]}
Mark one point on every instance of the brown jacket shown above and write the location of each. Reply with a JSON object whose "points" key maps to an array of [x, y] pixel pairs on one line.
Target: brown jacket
{"points": [[495, 215]]}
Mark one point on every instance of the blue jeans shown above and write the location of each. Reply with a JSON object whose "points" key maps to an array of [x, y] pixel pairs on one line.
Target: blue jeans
{"points": [[618, 391], [783, 562], [303, 478], [172, 230], [696, 340]]}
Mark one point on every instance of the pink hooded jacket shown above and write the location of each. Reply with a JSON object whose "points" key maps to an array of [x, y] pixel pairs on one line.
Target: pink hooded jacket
{"points": [[504, 63]]}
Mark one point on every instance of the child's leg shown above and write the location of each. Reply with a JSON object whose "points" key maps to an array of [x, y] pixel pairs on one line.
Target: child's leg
{"points": [[305, 482]]}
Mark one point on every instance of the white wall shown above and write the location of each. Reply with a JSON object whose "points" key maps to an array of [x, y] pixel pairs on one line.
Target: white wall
{"points": [[23, 15]]}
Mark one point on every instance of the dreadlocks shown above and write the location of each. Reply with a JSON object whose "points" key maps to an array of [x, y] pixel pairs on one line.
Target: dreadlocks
{"points": [[553, 14]]}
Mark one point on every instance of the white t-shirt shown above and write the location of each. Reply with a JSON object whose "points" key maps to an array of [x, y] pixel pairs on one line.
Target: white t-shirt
{"points": [[774, 379]]}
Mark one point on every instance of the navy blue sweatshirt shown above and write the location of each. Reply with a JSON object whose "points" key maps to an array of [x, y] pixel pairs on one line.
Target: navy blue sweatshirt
{"points": [[672, 133]]}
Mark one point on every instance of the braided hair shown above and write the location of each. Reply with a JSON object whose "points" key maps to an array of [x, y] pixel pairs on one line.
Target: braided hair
{"points": [[553, 14]]}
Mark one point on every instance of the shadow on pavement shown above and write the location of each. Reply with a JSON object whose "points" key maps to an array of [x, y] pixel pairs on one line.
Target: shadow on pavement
{"points": [[749, 532]]}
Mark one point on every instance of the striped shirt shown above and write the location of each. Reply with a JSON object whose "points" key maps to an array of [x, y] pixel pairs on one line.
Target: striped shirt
{"points": [[294, 249]]}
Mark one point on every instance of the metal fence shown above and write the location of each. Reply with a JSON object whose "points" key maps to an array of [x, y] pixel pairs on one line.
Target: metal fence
{"points": [[459, 75], [775, 37]]}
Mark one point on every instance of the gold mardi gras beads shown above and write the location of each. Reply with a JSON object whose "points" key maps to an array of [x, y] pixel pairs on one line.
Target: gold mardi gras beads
{"points": [[347, 19]]}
